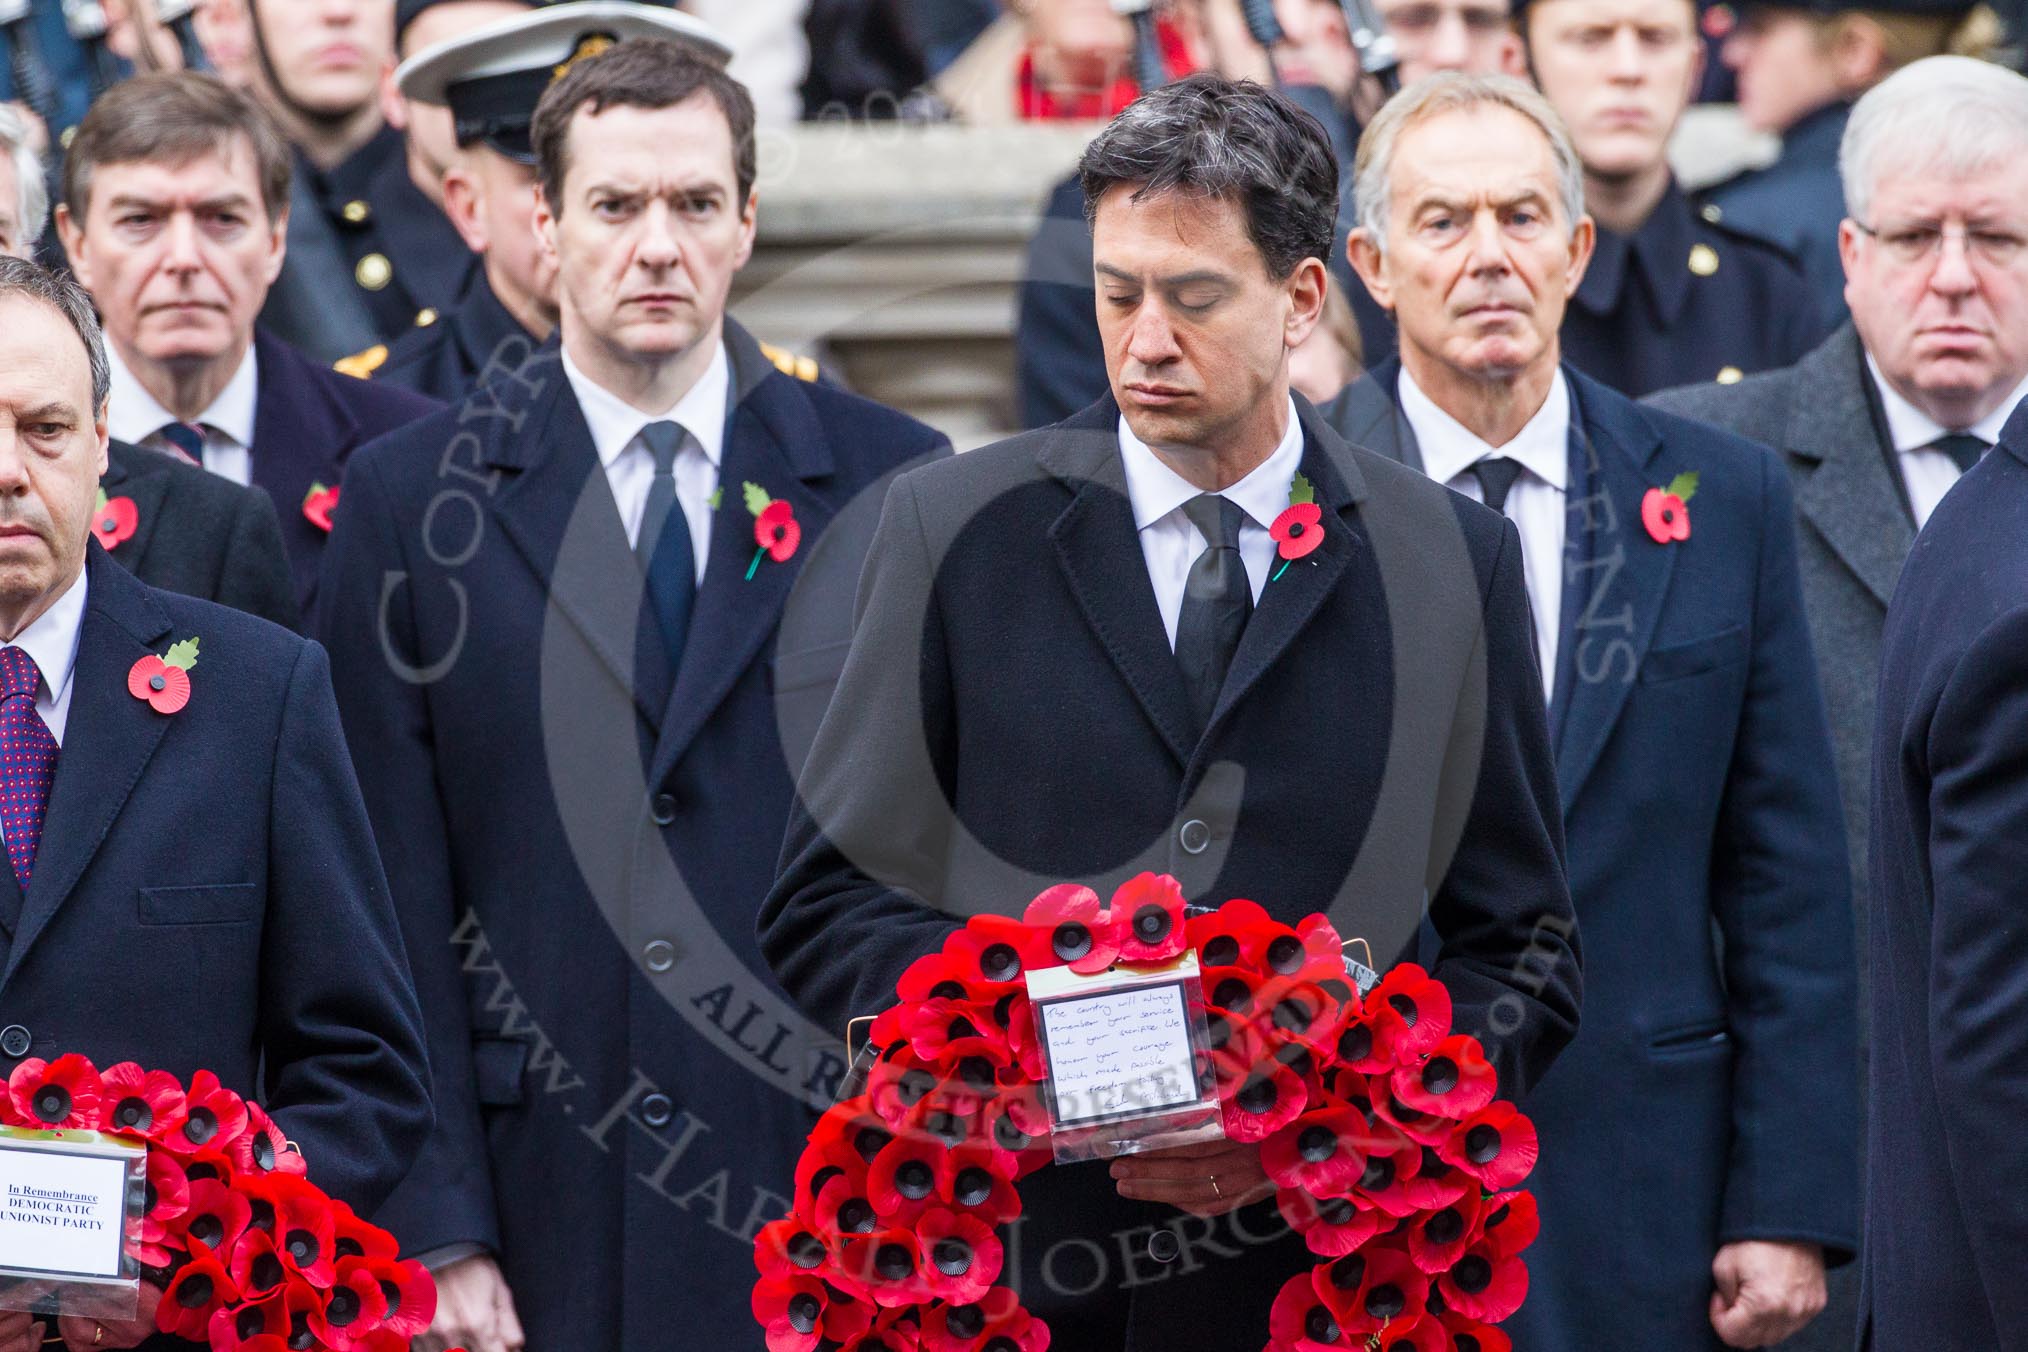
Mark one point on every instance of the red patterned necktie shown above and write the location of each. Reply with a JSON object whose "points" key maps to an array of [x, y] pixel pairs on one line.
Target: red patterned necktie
{"points": [[27, 761]]}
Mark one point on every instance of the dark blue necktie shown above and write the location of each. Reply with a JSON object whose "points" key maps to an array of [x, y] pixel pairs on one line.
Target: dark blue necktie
{"points": [[1963, 448], [184, 440], [663, 543]]}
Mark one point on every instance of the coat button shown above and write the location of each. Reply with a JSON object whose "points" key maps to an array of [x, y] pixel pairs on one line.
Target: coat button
{"points": [[663, 808], [659, 954], [14, 1040], [656, 1110], [1164, 1247], [1194, 836]]}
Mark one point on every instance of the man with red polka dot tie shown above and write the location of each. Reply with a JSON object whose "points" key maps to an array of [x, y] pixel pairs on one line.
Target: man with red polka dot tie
{"points": [[27, 763]]}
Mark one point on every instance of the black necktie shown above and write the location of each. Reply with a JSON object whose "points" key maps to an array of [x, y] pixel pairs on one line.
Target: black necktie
{"points": [[1963, 448], [663, 544], [1496, 475], [1217, 598]]}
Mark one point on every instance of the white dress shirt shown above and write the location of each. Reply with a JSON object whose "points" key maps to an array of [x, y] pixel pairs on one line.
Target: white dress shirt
{"points": [[1535, 504], [52, 641], [630, 467], [133, 415], [1928, 473], [1170, 543]]}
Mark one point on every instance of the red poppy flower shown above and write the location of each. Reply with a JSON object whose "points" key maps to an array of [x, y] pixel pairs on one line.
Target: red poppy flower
{"points": [[114, 520], [886, 1265], [1149, 911], [902, 1180], [933, 976], [250, 1325], [1081, 932], [165, 687], [1509, 1223], [1439, 1237], [787, 1248], [842, 1208], [1666, 516], [318, 504], [1306, 1011], [777, 531], [958, 1255], [888, 1331], [258, 1269], [1374, 1289], [199, 1288], [974, 1178], [1436, 1184], [64, 1093], [1422, 1003], [1424, 1335], [1495, 1145], [1469, 1335], [945, 1034], [139, 1102], [262, 1149], [1015, 1128], [791, 1312], [1483, 1285], [995, 1320], [1455, 1081], [352, 1237], [1300, 1321], [350, 1311], [1298, 530], [408, 1294], [1390, 1173], [1370, 1038], [1268, 1100], [168, 1202], [995, 950], [1318, 1152], [304, 1235], [1331, 1226], [216, 1216], [1421, 1127]]}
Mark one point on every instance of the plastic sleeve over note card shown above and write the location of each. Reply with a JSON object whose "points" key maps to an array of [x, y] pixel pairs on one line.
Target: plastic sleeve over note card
{"points": [[69, 1202], [1126, 1055]]}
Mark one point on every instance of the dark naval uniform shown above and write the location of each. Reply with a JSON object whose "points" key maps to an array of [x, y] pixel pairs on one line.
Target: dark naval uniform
{"points": [[408, 262], [1797, 202], [1685, 299], [449, 358]]}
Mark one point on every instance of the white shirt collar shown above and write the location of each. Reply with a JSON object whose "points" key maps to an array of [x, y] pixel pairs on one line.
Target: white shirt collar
{"points": [[614, 423], [134, 415], [52, 638], [1910, 429], [1155, 490], [1449, 448]]}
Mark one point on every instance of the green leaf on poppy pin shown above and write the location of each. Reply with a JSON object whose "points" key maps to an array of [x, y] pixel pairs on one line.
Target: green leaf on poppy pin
{"points": [[757, 498], [717, 496], [102, 501], [1301, 490], [182, 654], [1683, 486]]}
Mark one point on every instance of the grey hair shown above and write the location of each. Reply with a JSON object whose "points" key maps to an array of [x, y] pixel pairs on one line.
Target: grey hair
{"points": [[1954, 115], [1452, 92], [19, 277], [1227, 139], [34, 189]]}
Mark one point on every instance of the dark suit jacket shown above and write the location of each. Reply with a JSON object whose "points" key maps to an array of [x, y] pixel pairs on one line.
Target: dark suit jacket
{"points": [[207, 896], [474, 343], [579, 837], [1711, 1095], [307, 421], [200, 535], [1011, 714], [1946, 1223]]}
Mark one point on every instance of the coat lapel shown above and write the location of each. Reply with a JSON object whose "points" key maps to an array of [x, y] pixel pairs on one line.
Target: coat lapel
{"points": [[109, 737], [777, 444], [1842, 483], [301, 438], [1288, 602], [148, 493], [1366, 414], [1099, 552], [559, 511], [1626, 575]]}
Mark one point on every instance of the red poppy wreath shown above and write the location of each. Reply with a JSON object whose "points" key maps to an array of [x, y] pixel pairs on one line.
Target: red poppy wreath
{"points": [[251, 1256], [1377, 1124]]}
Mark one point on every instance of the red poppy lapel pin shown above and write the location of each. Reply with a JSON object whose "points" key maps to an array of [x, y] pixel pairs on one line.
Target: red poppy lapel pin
{"points": [[318, 504], [1666, 511], [1300, 527], [775, 528], [164, 681], [114, 520]]}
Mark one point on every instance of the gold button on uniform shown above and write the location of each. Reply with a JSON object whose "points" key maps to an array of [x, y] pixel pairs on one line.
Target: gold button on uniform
{"points": [[1729, 375], [373, 272], [355, 211], [1703, 259], [425, 317], [1711, 212]]}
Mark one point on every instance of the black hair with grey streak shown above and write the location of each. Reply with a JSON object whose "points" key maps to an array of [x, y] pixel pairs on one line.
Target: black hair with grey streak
{"points": [[19, 277], [1227, 139]]}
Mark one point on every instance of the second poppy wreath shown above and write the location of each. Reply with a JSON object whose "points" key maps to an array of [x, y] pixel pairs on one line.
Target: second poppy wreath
{"points": [[1376, 1123]]}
